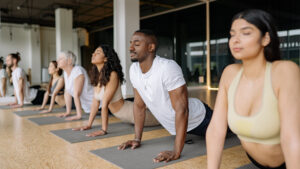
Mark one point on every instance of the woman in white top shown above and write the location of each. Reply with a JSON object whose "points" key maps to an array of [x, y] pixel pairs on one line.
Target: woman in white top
{"points": [[55, 90], [77, 85], [107, 77]]}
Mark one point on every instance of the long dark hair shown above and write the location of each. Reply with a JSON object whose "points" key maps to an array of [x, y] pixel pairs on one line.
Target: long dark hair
{"points": [[1, 62], [265, 23], [60, 71], [16, 56], [112, 64]]}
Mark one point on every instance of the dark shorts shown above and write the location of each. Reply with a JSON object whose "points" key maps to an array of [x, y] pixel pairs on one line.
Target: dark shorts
{"points": [[201, 129], [263, 167], [39, 98]]}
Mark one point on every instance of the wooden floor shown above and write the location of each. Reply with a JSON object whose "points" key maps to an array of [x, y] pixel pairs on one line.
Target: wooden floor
{"points": [[25, 145]]}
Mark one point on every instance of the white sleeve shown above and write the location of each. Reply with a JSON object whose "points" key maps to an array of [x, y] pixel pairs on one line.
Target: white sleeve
{"points": [[78, 71], [131, 75], [172, 76], [19, 73], [2, 74]]}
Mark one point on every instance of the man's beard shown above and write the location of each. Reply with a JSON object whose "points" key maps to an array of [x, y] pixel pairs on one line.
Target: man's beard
{"points": [[134, 60]]}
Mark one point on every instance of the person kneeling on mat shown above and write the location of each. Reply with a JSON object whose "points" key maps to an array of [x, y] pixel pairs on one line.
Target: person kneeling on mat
{"points": [[159, 85]]}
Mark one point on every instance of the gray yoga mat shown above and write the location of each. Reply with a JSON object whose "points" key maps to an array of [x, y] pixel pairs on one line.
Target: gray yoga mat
{"points": [[248, 166], [142, 157], [36, 112], [9, 107], [114, 129], [53, 119]]}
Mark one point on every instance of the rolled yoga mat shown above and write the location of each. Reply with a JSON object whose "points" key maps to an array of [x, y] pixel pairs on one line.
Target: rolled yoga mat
{"points": [[9, 107], [54, 120], [142, 157], [114, 129], [248, 166], [36, 112]]}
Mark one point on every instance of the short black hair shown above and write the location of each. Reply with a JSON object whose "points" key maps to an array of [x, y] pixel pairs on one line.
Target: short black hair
{"points": [[151, 34]]}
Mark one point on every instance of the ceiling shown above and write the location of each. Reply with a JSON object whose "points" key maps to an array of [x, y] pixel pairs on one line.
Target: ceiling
{"points": [[90, 14]]}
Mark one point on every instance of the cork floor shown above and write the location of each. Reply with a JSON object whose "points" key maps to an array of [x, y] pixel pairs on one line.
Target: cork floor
{"points": [[25, 145]]}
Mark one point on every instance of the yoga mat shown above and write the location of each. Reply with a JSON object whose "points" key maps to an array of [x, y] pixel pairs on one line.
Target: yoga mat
{"points": [[54, 120], [248, 166], [8, 107], [142, 157], [114, 129], [36, 112]]}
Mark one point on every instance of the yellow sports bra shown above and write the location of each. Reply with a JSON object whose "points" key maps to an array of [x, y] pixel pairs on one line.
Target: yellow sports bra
{"points": [[262, 127], [117, 96]]}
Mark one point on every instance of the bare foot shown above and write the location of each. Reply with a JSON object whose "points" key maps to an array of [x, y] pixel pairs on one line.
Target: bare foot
{"points": [[73, 118], [96, 133]]}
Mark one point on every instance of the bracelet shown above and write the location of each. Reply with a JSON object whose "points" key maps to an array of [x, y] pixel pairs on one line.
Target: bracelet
{"points": [[104, 131], [138, 140]]}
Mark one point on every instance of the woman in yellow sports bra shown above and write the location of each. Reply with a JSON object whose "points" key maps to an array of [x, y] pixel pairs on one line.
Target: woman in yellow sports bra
{"points": [[107, 77], [258, 99]]}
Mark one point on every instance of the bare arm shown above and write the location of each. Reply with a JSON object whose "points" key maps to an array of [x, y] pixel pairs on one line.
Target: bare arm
{"points": [[21, 91], [78, 85], [45, 99], [179, 100], [3, 81], [216, 131], [68, 100], [57, 89], [289, 108], [139, 109], [110, 90]]}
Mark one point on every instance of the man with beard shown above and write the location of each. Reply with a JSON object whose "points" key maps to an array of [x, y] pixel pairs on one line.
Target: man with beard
{"points": [[159, 85]]}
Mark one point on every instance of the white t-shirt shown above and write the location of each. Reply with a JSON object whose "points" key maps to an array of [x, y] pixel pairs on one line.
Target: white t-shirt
{"points": [[9, 89], [153, 86], [87, 93], [29, 94]]}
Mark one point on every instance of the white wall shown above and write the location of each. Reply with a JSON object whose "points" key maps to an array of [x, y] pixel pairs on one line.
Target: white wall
{"points": [[14, 38], [37, 46]]}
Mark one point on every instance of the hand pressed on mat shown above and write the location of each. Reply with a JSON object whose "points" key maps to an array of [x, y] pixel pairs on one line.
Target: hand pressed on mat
{"points": [[45, 111], [82, 128], [166, 156], [75, 117], [63, 115], [130, 143], [97, 133]]}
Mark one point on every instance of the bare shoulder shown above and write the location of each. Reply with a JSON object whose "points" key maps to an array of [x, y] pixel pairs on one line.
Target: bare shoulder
{"points": [[284, 72], [285, 67], [229, 73], [113, 75]]}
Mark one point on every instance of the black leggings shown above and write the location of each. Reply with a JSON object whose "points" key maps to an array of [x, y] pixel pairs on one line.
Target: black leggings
{"points": [[38, 100], [282, 166], [201, 129]]}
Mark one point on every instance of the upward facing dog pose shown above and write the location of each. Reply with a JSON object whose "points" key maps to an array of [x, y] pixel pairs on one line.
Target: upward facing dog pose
{"points": [[77, 85], [159, 84], [107, 77]]}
